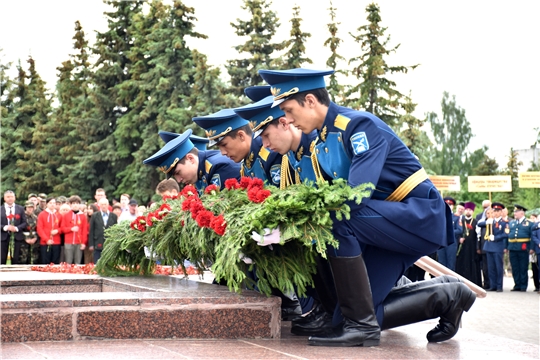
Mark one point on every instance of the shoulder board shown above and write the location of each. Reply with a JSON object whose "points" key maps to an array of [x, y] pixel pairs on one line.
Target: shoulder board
{"points": [[207, 166], [341, 122], [263, 154]]}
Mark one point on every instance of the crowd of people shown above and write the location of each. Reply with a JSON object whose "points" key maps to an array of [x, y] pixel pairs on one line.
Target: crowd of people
{"points": [[482, 241], [60, 229], [293, 133]]}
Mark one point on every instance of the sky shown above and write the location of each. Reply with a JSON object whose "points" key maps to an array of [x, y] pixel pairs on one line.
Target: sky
{"points": [[485, 53]]}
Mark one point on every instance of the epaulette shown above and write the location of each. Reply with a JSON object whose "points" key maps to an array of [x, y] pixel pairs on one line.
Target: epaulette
{"points": [[300, 153], [263, 154], [341, 122], [207, 166]]}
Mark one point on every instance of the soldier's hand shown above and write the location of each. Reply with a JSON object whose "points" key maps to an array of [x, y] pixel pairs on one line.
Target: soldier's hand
{"points": [[269, 237]]}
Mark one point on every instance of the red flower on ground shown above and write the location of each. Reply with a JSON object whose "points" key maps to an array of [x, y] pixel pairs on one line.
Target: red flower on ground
{"points": [[258, 195], [245, 182], [231, 184], [195, 208], [256, 183]]}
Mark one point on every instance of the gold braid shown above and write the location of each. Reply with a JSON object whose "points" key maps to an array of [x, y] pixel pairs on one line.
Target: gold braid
{"points": [[316, 168], [488, 231], [286, 179]]}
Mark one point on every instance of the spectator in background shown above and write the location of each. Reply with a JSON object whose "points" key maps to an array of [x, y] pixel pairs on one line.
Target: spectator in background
{"points": [[74, 227], [42, 203], [131, 214], [168, 188], [482, 238], [100, 194], [13, 222], [535, 252], [140, 210], [117, 209], [460, 208], [447, 255], [99, 222], [48, 227], [467, 261], [87, 253], [30, 252], [124, 202]]}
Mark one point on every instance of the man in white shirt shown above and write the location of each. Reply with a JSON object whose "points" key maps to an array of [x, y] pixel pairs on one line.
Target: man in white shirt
{"points": [[131, 214]]}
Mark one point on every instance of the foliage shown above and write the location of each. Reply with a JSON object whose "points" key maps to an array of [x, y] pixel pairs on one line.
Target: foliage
{"points": [[216, 228], [295, 47], [374, 92], [334, 88], [257, 50], [411, 133]]}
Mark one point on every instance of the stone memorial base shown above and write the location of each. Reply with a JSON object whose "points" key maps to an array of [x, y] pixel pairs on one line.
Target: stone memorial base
{"points": [[38, 306]]}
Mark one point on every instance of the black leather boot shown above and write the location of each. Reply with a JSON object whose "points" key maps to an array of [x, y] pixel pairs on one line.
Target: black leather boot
{"points": [[360, 327], [426, 300], [290, 305], [319, 320]]}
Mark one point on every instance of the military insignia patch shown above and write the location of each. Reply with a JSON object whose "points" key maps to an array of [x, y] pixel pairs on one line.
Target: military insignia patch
{"points": [[341, 122], [216, 180], [300, 153], [359, 143], [263, 153], [323, 133], [275, 173], [207, 166]]}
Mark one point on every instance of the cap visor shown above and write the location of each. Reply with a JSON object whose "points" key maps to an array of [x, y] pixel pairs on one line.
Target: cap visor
{"points": [[277, 102]]}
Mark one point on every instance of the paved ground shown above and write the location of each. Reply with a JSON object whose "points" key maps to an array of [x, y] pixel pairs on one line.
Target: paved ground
{"points": [[502, 325]]}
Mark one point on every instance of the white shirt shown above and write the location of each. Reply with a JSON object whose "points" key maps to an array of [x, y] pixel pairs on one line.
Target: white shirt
{"points": [[126, 215]]}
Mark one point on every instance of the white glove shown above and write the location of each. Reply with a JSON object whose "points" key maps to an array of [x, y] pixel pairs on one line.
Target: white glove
{"points": [[491, 237], [270, 237], [489, 221], [150, 255], [245, 259]]}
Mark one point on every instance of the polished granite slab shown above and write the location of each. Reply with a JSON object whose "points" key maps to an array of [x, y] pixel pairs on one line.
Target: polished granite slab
{"points": [[152, 307]]}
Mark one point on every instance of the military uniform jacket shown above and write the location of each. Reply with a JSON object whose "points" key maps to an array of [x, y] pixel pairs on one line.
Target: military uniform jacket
{"points": [[499, 230], [457, 224], [262, 163], [301, 158], [215, 168], [519, 236], [535, 240], [361, 148]]}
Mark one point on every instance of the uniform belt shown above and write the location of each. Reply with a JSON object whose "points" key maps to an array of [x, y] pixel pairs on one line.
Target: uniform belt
{"points": [[519, 240], [408, 185]]}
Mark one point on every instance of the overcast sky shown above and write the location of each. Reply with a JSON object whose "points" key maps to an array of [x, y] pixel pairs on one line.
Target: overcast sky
{"points": [[483, 52]]}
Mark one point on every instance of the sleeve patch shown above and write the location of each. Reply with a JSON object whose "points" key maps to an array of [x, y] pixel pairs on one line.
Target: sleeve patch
{"points": [[216, 180], [341, 122], [359, 143], [275, 173]]}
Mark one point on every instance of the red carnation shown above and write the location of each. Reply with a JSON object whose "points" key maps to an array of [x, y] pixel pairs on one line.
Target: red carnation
{"points": [[195, 208], [219, 225], [17, 216], [258, 195], [231, 184], [211, 188], [189, 190], [245, 182], [10, 216], [257, 183], [204, 218]]}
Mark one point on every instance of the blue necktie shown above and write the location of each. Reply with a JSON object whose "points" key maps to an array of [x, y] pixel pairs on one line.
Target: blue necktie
{"points": [[105, 218]]}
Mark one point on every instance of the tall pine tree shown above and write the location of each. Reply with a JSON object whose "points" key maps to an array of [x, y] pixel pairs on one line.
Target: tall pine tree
{"points": [[411, 132], [375, 92], [334, 88], [7, 132], [294, 56], [257, 50]]}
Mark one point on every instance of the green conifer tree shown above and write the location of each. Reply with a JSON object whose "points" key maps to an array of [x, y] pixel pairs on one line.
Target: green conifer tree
{"points": [[375, 92], [32, 171], [294, 56], [411, 132], [257, 51], [334, 88], [8, 92]]}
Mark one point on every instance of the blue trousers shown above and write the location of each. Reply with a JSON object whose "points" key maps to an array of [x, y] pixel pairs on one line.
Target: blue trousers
{"points": [[447, 256], [520, 264], [495, 269], [385, 254]]}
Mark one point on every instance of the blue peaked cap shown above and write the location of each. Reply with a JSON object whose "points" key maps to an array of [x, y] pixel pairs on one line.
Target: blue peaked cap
{"points": [[260, 114], [257, 93], [199, 142], [219, 124], [285, 83], [171, 153]]}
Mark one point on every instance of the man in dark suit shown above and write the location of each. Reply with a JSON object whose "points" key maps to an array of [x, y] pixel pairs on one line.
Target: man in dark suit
{"points": [[100, 221], [13, 222], [486, 204]]}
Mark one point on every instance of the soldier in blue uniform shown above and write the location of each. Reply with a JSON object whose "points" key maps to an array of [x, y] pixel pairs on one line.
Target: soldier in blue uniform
{"points": [[182, 160], [447, 255], [519, 244], [377, 244], [233, 136], [495, 238], [535, 245]]}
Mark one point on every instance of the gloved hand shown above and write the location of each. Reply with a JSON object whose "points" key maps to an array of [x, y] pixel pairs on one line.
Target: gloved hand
{"points": [[489, 221], [245, 259], [270, 237], [491, 237]]}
